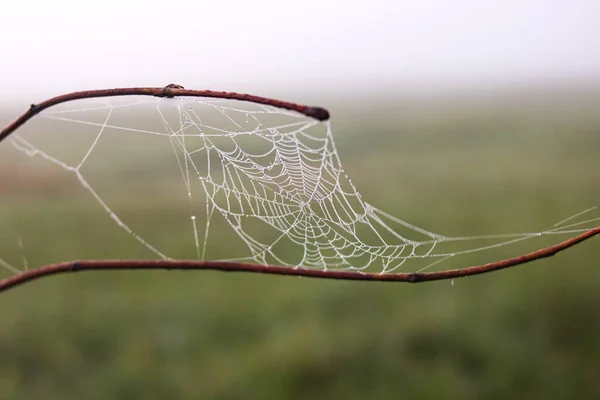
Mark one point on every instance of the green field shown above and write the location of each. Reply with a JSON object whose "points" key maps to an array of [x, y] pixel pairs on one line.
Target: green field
{"points": [[461, 165]]}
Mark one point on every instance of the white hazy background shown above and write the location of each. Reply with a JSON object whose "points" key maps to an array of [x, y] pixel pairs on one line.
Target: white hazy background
{"points": [[271, 46]]}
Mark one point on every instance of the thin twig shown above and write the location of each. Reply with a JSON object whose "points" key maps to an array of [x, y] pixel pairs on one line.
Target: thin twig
{"points": [[168, 91], [225, 266]]}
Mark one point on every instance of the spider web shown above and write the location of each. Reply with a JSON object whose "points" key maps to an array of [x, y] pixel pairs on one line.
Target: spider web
{"points": [[272, 177]]}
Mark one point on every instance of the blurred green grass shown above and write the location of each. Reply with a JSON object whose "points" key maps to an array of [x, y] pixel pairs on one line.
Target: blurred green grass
{"points": [[456, 167]]}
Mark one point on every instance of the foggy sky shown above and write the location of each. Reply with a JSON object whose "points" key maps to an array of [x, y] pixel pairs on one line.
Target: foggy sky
{"points": [[58, 46]]}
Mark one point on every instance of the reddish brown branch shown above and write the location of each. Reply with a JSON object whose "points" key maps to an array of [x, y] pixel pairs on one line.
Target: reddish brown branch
{"points": [[168, 91], [313, 112], [225, 266]]}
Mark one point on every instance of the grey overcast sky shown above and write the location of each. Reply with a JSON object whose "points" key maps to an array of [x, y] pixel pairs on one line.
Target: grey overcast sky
{"points": [[51, 47]]}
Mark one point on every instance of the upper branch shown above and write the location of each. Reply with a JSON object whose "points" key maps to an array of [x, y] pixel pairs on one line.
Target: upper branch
{"points": [[168, 91]]}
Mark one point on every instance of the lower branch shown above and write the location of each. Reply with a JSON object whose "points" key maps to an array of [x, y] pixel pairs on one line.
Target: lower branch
{"points": [[225, 266]]}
